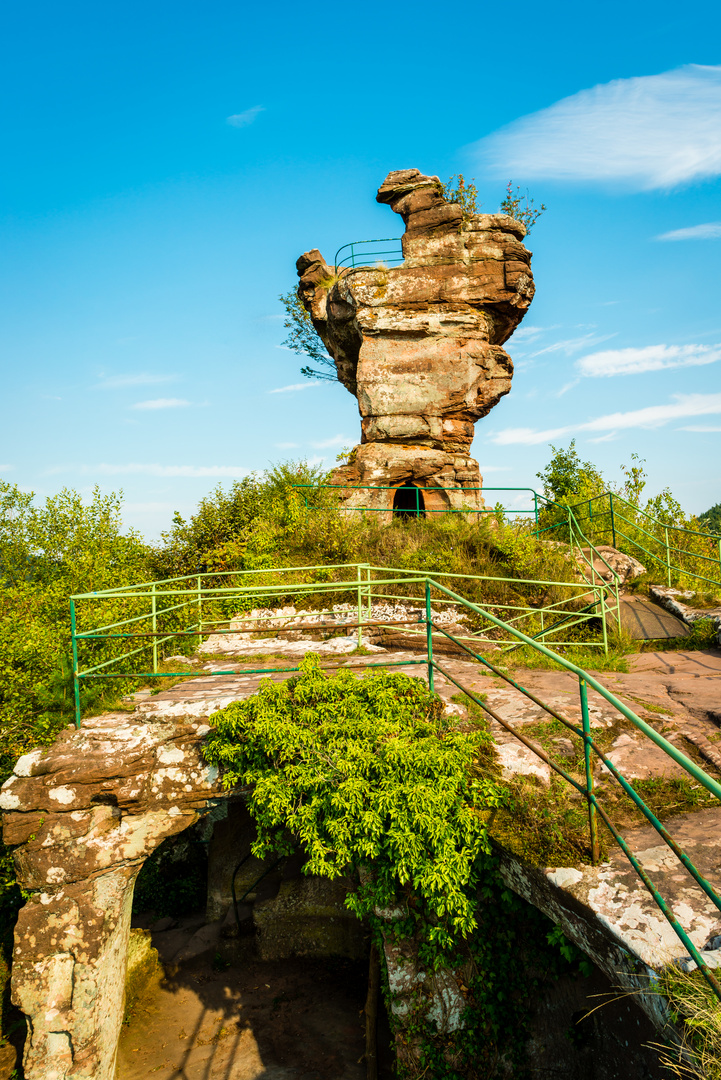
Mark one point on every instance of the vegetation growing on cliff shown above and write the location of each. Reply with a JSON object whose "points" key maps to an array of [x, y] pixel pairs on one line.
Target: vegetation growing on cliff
{"points": [[303, 338], [372, 780]]}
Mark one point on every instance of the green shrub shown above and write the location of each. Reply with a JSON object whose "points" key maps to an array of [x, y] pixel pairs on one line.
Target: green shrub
{"points": [[363, 772]]}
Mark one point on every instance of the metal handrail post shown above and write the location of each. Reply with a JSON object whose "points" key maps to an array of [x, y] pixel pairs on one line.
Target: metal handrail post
{"points": [[586, 723], [155, 627], [668, 558], [76, 680], [602, 599], [200, 606], [360, 604], [429, 636], [535, 510], [613, 520]]}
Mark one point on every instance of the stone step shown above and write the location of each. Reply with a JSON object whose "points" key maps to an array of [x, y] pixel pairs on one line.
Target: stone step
{"points": [[645, 620]]}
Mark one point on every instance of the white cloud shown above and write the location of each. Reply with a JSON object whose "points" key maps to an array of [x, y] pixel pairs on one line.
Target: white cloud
{"points": [[293, 386], [336, 440], [649, 358], [244, 119], [650, 416], [711, 230], [162, 403], [138, 469], [700, 428], [6, 468], [571, 345], [652, 131], [530, 333], [143, 378]]}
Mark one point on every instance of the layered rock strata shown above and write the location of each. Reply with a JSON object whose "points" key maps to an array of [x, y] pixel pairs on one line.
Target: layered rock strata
{"points": [[86, 815], [420, 344]]}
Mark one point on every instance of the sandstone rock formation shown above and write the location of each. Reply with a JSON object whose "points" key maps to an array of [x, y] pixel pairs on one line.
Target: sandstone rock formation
{"points": [[87, 814], [419, 344]]}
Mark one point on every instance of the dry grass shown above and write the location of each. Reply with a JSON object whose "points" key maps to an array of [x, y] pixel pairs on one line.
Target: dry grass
{"points": [[697, 1012]]}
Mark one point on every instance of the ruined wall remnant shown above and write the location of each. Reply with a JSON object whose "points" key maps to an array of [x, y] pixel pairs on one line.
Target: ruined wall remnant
{"points": [[85, 815], [420, 344]]}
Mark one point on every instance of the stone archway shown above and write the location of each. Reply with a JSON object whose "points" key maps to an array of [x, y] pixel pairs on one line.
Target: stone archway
{"points": [[87, 813], [408, 501]]}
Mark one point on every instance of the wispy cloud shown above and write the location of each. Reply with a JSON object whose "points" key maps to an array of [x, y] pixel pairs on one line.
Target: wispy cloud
{"points": [[6, 468], [142, 378], [652, 131], [308, 385], [568, 346], [336, 440], [650, 416], [163, 403], [649, 358], [244, 119], [710, 230], [138, 469], [702, 428], [530, 333]]}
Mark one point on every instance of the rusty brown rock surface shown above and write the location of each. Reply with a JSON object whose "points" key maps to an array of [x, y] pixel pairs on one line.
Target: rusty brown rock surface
{"points": [[420, 344], [86, 814]]}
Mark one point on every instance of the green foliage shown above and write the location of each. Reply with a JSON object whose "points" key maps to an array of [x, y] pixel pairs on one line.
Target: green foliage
{"points": [[456, 190], [303, 338], [516, 204], [364, 773], [568, 480], [568, 951], [174, 880], [711, 518], [519, 206], [48, 552], [697, 1011]]}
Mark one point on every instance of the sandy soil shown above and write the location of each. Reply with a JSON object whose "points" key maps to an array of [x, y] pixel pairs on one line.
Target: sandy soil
{"points": [[281, 1020]]}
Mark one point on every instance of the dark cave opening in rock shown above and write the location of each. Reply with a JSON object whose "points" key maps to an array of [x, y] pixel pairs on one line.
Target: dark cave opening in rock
{"points": [[408, 502]]}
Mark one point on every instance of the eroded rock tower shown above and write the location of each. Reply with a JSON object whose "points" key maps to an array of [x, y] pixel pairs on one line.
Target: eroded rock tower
{"points": [[420, 344]]}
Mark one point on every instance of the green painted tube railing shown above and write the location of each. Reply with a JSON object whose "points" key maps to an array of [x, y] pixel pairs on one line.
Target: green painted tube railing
{"points": [[579, 524], [366, 588], [388, 251]]}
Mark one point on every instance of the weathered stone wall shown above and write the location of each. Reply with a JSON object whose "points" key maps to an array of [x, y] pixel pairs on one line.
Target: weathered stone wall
{"points": [[86, 815], [420, 344]]}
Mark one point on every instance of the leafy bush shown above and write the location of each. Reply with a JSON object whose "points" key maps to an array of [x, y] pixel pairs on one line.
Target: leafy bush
{"points": [[364, 773]]}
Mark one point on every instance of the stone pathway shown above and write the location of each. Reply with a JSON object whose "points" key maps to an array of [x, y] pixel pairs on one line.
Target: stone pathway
{"points": [[645, 620]]}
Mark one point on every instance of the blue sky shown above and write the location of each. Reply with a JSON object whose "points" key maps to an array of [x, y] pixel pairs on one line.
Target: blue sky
{"points": [[165, 164]]}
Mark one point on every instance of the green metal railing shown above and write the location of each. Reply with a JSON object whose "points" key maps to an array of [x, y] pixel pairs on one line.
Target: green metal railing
{"points": [[387, 251], [613, 520], [181, 609], [164, 600], [587, 557], [684, 554]]}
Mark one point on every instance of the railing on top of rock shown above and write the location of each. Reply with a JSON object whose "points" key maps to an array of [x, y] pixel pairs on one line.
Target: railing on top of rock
{"points": [[389, 255]]}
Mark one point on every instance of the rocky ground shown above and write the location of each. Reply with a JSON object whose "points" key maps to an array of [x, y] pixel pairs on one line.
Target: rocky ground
{"points": [[236, 1025]]}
